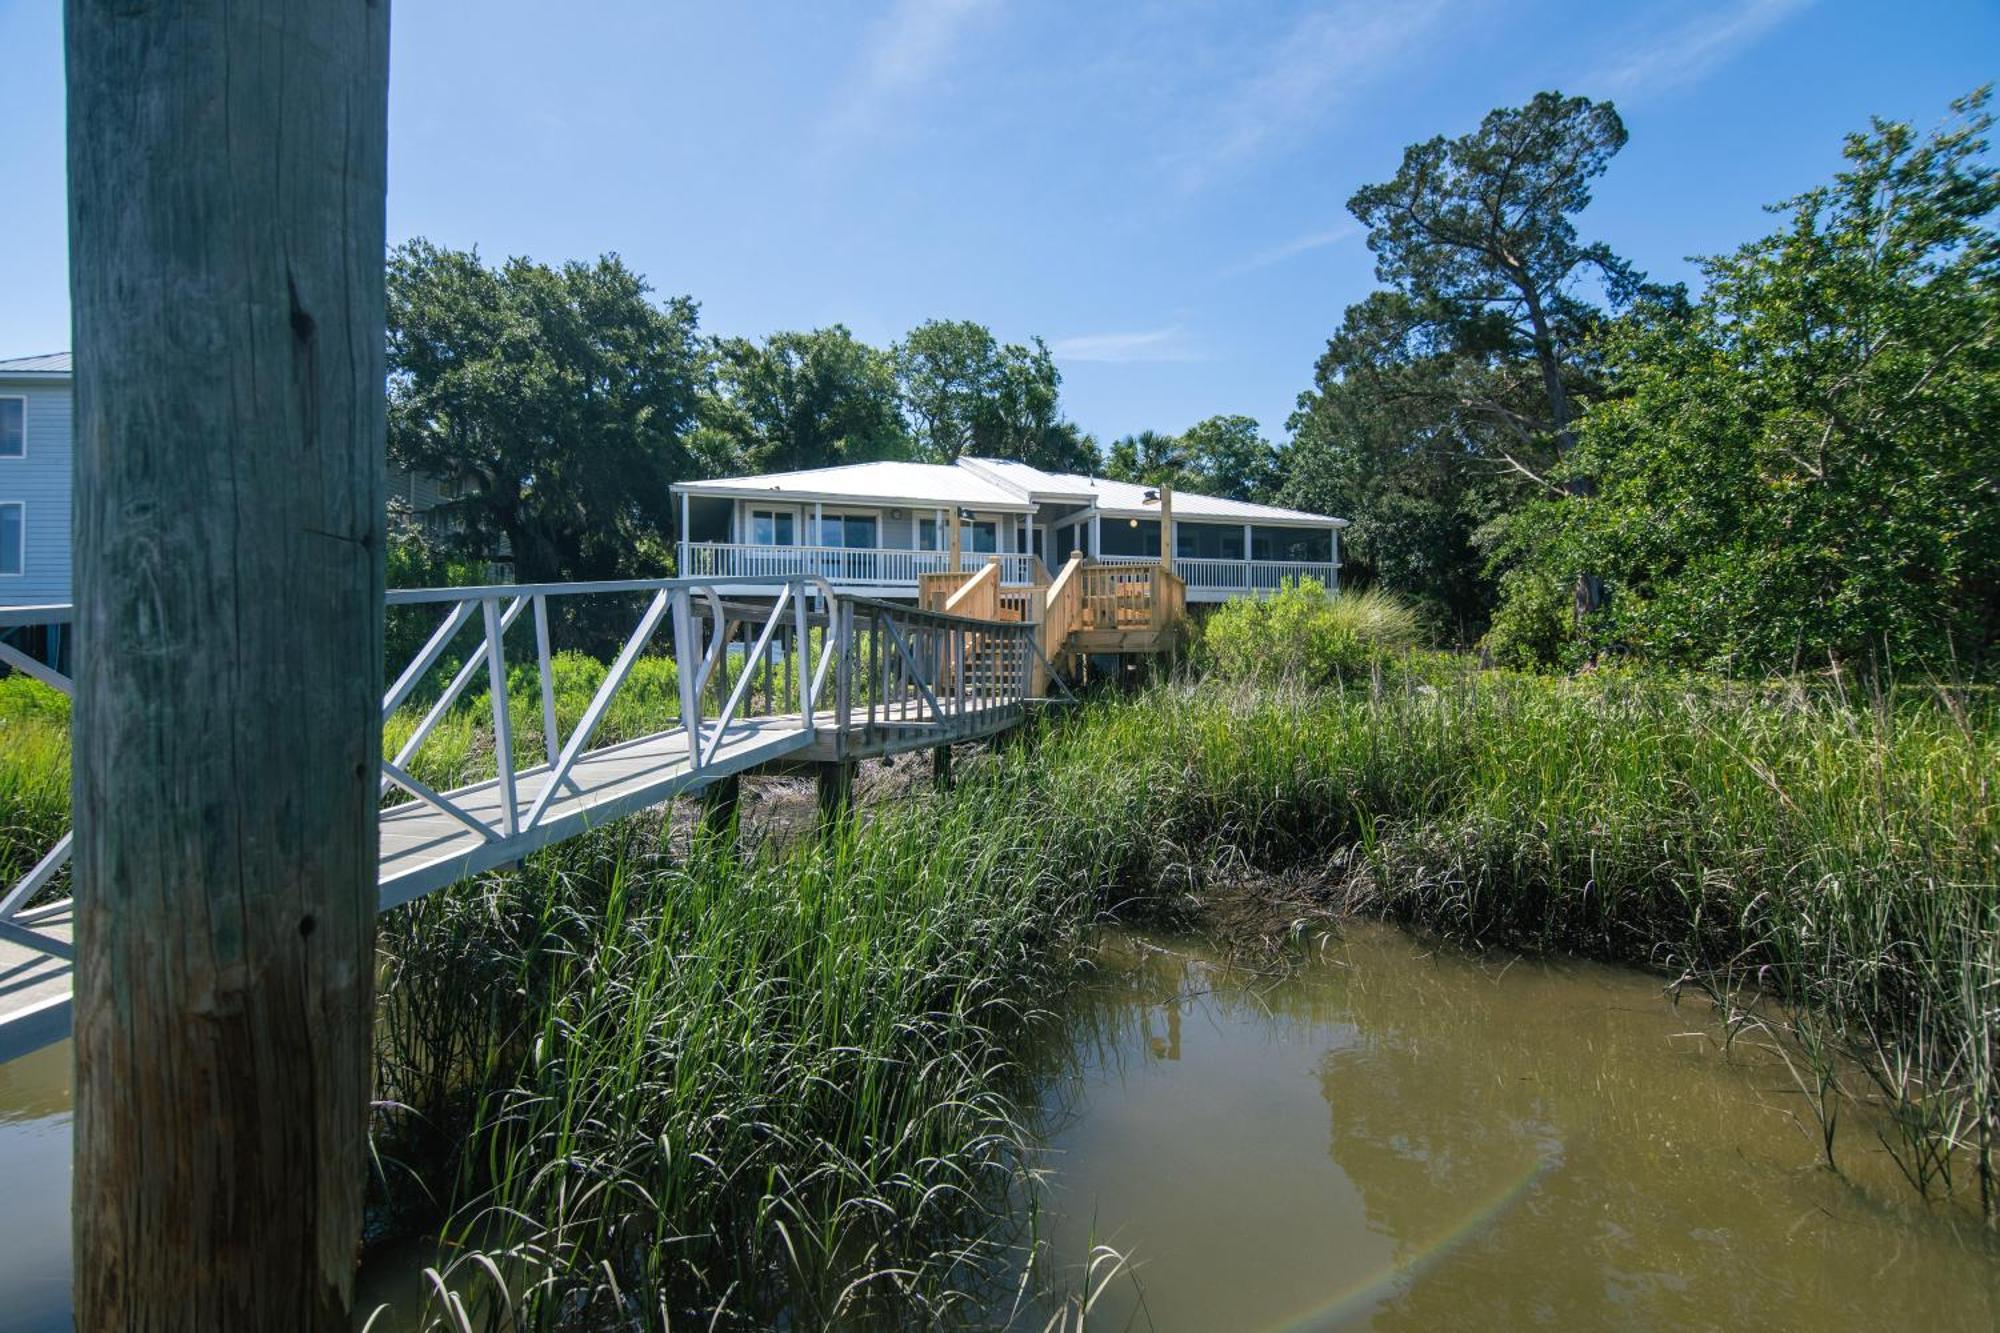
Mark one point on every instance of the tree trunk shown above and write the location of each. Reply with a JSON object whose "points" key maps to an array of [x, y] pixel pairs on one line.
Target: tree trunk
{"points": [[226, 174], [1589, 589]]}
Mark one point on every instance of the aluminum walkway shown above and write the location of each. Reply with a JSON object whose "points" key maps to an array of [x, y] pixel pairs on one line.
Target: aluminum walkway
{"points": [[808, 677]]}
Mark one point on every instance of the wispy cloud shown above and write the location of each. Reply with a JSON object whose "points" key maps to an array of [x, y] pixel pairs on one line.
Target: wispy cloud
{"points": [[1292, 249], [1321, 62], [1690, 51], [909, 48], [1146, 345]]}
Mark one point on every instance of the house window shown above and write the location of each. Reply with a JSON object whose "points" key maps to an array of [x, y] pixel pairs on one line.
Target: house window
{"points": [[854, 532], [1208, 541], [980, 535], [13, 427], [1301, 544], [13, 537], [770, 527]]}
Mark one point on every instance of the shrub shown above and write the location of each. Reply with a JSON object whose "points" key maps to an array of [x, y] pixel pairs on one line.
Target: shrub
{"points": [[1302, 633]]}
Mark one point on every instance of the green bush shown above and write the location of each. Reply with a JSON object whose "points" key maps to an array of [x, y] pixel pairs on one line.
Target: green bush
{"points": [[1533, 627], [1304, 634]]}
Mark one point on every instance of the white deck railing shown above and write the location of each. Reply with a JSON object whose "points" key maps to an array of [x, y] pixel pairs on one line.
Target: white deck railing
{"points": [[1247, 576], [838, 565]]}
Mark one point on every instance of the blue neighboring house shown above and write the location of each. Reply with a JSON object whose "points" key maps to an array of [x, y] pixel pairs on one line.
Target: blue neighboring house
{"points": [[36, 443], [35, 449]]}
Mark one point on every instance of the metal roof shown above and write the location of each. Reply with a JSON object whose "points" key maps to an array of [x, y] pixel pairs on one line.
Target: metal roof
{"points": [[914, 484], [49, 363], [1124, 497], [990, 483]]}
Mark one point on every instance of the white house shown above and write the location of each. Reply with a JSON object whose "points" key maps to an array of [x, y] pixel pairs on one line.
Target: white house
{"points": [[872, 528]]}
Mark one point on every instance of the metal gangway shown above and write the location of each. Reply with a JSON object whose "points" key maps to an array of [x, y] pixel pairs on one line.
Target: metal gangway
{"points": [[801, 676]]}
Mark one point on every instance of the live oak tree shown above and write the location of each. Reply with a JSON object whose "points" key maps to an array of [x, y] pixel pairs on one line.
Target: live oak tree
{"points": [[1229, 456], [1803, 468], [556, 402], [1225, 456], [967, 393], [947, 372], [802, 400]]}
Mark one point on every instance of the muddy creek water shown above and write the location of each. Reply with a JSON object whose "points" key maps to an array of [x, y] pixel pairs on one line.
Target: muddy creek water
{"points": [[1392, 1136]]}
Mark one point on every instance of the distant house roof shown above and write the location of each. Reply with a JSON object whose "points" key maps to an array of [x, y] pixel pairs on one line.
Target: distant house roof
{"points": [[914, 484], [49, 363]]}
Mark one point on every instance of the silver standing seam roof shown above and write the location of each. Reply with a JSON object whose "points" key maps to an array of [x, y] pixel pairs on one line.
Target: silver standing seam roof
{"points": [[49, 363]]}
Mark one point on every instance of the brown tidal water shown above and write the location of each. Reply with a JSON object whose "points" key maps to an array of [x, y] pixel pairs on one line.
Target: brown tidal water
{"points": [[1395, 1136], [1402, 1137]]}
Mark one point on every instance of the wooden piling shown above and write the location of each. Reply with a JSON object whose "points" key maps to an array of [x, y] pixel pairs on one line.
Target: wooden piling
{"points": [[721, 803], [226, 184], [834, 780]]}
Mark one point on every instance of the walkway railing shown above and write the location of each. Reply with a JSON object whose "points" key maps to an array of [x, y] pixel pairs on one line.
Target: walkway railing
{"points": [[874, 567], [811, 670], [1247, 576]]}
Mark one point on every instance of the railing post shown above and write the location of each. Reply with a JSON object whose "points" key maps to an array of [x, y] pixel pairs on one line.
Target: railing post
{"points": [[503, 720], [544, 665], [687, 667]]}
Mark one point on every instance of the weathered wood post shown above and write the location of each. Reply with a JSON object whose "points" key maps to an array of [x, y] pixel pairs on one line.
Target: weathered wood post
{"points": [[1167, 528], [721, 802], [956, 541], [226, 173]]}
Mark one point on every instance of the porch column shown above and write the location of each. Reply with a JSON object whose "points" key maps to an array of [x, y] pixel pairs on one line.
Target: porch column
{"points": [[1096, 534], [1247, 584], [955, 540], [1167, 528], [681, 565], [819, 527]]}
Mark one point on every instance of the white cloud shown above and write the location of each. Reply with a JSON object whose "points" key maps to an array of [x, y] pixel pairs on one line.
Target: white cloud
{"points": [[1322, 62], [1143, 346], [1688, 53], [1292, 249], [909, 48]]}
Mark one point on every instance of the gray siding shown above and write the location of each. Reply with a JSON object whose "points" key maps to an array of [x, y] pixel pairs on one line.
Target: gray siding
{"points": [[41, 481]]}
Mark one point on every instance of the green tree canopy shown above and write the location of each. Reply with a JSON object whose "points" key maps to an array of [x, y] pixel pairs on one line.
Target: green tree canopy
{"points": [[555, 400], [967, 393], [803, 400], [948, 369], [1228, 456], [1804, 466]]}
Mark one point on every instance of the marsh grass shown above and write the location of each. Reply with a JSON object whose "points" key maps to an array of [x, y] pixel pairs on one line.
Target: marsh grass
{"points": [[633, 1082], [34, 773]]}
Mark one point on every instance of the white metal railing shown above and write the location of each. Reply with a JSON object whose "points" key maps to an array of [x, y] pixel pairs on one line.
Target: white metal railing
{"points": [[17, 918], [812, 660], [1253, 575], [867, 566], [702, 627]]}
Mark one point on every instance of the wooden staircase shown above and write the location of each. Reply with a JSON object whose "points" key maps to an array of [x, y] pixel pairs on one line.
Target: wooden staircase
{"points": [[1087, 608]]}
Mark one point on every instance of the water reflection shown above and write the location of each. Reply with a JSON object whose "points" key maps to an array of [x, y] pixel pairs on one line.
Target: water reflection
{"points": [[1403, 1139], [34, 1163]]}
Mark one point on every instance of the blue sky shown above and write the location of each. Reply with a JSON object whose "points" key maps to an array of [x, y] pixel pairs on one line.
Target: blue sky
{"points": [[1156, 189]]}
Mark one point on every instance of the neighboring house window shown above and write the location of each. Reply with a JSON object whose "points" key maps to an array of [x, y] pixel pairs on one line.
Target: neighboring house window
{"points": [[13, 537], [13, 427], [770, 527], [855, 532]]}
